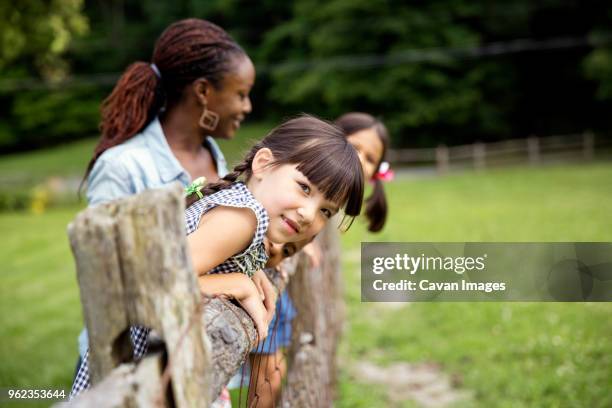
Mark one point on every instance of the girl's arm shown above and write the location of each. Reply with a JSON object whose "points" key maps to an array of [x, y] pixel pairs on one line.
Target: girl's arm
{"points": [[222, 233], [267, 291], [240, 287]]}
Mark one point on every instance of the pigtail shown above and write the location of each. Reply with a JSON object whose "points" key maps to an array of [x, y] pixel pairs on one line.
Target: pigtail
{"points": [[376, 207], [133, 103], [228, 180]]}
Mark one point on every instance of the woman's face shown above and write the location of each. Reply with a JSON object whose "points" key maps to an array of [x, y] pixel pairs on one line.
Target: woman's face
{"points": [[230, 100], [369, 148]]}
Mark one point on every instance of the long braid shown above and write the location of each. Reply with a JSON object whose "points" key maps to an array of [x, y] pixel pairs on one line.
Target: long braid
{"points": [[229, 179]]}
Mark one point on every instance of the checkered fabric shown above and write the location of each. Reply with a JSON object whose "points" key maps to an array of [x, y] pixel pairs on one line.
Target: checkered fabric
{"points": [[238, 195], [248, 261], [138, 334]]}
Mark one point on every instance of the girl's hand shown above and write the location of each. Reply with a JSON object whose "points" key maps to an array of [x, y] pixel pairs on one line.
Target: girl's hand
{"points": [[240, 287], [268, 293]]}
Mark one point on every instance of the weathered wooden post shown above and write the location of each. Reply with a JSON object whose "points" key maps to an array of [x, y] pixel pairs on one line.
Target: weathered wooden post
{"points": [[479, 152], [588, 145], [317, 295], [133, 269], [442, 159], [533, 150]]}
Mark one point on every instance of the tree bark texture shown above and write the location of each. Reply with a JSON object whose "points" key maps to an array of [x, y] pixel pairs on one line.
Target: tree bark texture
{"points": [[317, 296]]}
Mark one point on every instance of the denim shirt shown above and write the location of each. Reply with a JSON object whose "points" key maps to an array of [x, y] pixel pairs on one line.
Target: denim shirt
{"points": [[145, 161]]}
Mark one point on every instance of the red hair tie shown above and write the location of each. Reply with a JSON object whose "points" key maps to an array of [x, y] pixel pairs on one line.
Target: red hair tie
{"points": [[384, 172]]}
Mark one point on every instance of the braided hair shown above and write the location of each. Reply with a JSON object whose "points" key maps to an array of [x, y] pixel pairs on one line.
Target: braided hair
{"points": [[321, 152], [187, 50], [376, 203]]}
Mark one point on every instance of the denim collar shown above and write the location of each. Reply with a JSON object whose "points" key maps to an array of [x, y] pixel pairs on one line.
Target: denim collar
{"points": [[168, 166]]}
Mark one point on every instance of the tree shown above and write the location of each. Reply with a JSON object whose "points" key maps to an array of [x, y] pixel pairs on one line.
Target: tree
{"points": [[386, 70], [40, 31]]}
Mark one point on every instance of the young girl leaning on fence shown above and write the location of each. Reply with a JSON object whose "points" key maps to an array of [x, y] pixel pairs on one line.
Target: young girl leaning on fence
{"points": [[370, 139], [294, 181]]}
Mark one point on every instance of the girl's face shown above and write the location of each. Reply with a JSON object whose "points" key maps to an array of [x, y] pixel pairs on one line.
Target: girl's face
{"points": [[231, 99], [297, 209], [369, 148]]}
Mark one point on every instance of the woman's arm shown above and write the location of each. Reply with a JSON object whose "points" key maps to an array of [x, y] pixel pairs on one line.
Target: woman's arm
{"points": [[222, 233]]}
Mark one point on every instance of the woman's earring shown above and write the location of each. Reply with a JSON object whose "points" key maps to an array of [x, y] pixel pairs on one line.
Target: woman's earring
{"points": [[209, 120]]}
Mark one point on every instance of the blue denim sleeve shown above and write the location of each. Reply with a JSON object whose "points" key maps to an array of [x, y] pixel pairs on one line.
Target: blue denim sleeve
{"points": [[107, 181]]}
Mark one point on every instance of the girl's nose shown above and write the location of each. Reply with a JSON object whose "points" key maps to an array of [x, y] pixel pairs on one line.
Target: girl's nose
{"points": [[307, 214]]}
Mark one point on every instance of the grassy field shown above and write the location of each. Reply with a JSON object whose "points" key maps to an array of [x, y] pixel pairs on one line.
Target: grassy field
{"points": [[507, 354]]}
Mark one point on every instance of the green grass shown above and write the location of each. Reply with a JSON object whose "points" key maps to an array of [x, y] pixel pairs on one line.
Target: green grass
{"points": [[508, 354], [65, 160], [40, 310]]}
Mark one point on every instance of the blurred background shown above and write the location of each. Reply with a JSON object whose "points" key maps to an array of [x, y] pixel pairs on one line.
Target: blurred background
{"points": [[501, 126]]}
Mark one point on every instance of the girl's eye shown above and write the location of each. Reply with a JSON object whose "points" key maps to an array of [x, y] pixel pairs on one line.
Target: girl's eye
{"points": [[327, 212], [305, 188]]}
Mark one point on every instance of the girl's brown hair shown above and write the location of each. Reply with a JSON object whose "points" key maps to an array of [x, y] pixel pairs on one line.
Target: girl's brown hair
{"points": [[187, 50], [321, 152], [376, 203]]}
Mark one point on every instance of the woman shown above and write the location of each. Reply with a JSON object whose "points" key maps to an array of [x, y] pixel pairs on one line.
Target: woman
{"points": [[157, 122]]}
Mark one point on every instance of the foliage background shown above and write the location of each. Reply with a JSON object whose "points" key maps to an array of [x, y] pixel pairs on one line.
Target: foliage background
{"points": [[422, 66]]}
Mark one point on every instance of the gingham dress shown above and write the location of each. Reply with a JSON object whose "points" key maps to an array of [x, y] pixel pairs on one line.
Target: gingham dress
{"points": [[254, 257]]}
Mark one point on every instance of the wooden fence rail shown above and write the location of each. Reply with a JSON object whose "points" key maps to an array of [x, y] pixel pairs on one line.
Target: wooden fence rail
{"points": [[532, 150]]}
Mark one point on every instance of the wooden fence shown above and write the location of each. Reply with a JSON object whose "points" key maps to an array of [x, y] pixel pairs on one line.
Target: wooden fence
{"points": [[533, 151], [133, 268]]}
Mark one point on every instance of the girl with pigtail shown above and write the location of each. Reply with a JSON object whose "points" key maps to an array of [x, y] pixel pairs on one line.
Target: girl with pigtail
{"points": [[370, 138], [286, 190]]}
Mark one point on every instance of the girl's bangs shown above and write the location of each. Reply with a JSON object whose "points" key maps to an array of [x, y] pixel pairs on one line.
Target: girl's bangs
{"points": [[337, 176]]}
